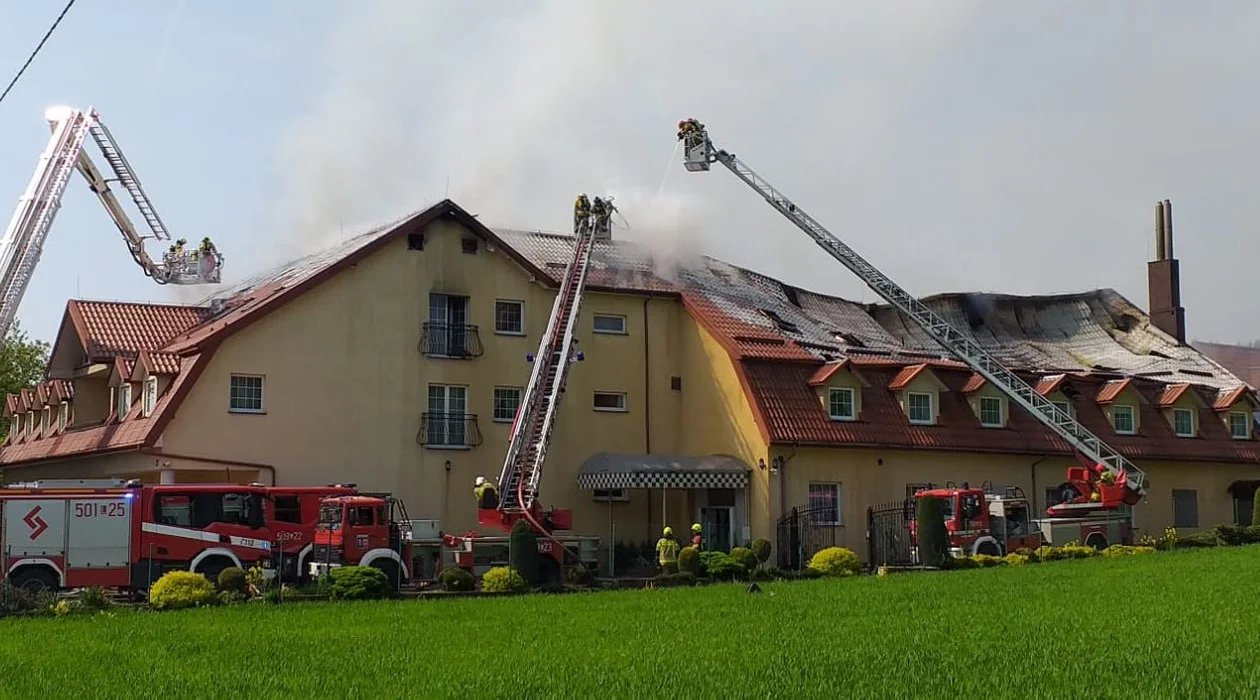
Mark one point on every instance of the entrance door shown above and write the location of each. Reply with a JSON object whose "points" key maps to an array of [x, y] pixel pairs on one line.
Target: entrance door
{"points": [[718, 529]]}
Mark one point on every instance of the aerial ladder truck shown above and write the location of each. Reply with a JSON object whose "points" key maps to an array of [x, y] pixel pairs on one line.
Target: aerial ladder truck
{"points": [[1105, 481], [24, 238]]}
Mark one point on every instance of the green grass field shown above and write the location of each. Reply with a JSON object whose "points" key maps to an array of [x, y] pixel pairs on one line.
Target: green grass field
{"points": [[1179, 624]]}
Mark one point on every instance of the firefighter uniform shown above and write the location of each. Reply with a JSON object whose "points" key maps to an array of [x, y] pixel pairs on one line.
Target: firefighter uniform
{"points": [[485, 493], [667, 551], [581, 212], [696, 539]]}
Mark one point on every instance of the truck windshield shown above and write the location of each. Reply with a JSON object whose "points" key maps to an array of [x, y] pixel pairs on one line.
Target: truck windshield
{"points": [[330, 516], [947, 507]]}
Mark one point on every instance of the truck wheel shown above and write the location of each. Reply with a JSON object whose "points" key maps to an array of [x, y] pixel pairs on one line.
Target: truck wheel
{"points": [[35, 579], [391, 571], [211, 568], [1097, 541], [989, 549]]}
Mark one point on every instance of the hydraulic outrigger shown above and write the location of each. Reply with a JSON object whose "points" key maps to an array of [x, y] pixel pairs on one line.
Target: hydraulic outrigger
{"points": [[24, 238], [1106, 480]]}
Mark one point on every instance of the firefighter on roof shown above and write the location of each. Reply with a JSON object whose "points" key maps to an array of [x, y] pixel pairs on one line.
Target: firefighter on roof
{"points": [[581, 212], [667, 550], [487, 497]]}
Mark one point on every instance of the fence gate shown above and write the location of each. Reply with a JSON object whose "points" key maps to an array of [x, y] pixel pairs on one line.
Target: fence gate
{"points": [[888, 533], [802, 533]]}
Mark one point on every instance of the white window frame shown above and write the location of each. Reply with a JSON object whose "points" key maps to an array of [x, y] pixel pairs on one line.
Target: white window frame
{"points": [[520, 306], [625, 402], [1246, 421], [150, 395], [605, 331], [1128, 409], [124, 400], [1176, 412], [1001, 412], [931, 419], [63, 415], [610, 495], [494, 410], [44, 415], [818, 486], [1065, 406], [262, 393], [448, 392], [15, 425], [832, 392]]}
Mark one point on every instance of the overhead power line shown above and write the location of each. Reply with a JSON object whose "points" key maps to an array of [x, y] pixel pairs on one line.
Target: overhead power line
{"points": [[36, 51]]}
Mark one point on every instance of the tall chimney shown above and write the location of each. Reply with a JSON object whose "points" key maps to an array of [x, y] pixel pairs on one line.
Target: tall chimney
{"points": [[1164, 278]]}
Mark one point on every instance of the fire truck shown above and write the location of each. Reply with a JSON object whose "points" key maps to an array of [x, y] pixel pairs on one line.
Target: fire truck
{"points": [[361, 530], [114, 534], [979, 521], [1103, 488]]}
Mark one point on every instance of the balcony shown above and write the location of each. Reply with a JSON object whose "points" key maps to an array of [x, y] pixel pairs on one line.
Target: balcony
{"points": [[456, 341], [450, 431]]}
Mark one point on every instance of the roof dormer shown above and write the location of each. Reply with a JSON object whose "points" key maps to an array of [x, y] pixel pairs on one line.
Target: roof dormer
{"points": [[1121, 403], [918, 391], [838, 388], [1180, 404], [987, 403], [1237, 409]]}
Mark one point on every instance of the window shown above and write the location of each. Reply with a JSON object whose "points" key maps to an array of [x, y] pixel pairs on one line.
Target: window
{"points": [[824, 504], [415, 241], [245, 393], [1183, 422], [607, 401], [506, 401], [675, 383], [113, 399], [1240, 425], [1063, 406], [203, 509], [1243, 508], [991, 411], [1122, 419], [124, 400], [1185, 508], [448, 406], [288, 509], [15, 426], [448, 330], [469, 245], [509, 317], [63, 415], [603, 323], [46, 415], [919, 408], [611, 495], [840, 404], [150, 395]]}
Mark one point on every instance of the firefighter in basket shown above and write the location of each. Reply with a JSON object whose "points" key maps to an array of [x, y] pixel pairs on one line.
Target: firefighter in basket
{"points": [[178, 249], [484, 491], [581, 212], [207, 248]]}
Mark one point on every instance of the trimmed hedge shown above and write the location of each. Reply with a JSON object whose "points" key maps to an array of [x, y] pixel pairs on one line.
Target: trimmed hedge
{"points": [[836, 562], [182, 589], [502, 579], [931, 536]]}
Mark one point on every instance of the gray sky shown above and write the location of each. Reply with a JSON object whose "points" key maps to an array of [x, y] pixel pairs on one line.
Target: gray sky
{"points": [[1014, 147]]}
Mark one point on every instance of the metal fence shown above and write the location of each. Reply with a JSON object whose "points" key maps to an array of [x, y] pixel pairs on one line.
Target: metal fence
{"points": [[888, 533], [803, 532]]}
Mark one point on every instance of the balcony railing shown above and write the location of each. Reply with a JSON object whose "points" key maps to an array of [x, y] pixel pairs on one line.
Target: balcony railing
{"points": [[449, 430], [450, 340]]}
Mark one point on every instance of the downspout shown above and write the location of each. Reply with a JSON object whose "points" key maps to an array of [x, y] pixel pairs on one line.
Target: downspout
{"points": [[647, 382]]}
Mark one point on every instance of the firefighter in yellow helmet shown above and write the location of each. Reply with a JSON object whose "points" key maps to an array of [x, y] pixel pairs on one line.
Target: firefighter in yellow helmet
{"points": [[485, 493], [696, 535], [667, 551], [581, 212]]}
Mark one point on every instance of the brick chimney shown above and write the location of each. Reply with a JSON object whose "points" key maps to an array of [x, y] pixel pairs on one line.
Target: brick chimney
{"points": [[1164, 278]]}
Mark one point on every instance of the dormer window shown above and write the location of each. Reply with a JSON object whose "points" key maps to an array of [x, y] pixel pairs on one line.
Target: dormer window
{"points": [[1183, 422], [63, 415], [124, 400], [43, 419], [1064, 406], [991, 411], [1240, 425], [16, 428], [919, 408], [1122, 419], [150, 395], [841, 404]]}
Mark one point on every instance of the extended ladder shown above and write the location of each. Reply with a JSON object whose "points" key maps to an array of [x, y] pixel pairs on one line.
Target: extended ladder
{"points": [[699, 152], [536, 418]]}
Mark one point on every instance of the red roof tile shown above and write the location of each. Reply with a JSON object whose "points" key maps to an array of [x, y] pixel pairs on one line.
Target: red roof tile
{"points": [[903, 378], [1226, 399], [1048, 385], [158, 362], [1110, 390], [974, 383], [743, 339], [824, 373], [1171, 395], [791, 413], [110, 329]]}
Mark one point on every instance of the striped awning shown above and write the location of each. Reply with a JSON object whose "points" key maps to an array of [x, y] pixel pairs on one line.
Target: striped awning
{"points": [[607, 470]]}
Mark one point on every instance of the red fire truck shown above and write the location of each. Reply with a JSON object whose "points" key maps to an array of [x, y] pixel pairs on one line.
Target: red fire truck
{"points": [[69, 534], [363, 531], [981, 522]]}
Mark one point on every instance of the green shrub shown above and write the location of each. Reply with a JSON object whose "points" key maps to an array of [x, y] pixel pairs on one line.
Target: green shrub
{"points": [[358, 583], [682, 578], [1234, 535], [836, 561], [932, 538], [1015, 559], [94, 598], [761, 549], [963, 562], [689, 561], [988, 560], [1120, 550], [745, 558], [1076, 551], [1255, 509], [502, 579], [580, 575], [233, 580], [16, 600], [523, 551], [720, 566], [453, 578], [182, 589]]}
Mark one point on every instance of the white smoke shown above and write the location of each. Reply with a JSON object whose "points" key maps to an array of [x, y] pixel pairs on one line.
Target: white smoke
{"points": [[668, 225]]}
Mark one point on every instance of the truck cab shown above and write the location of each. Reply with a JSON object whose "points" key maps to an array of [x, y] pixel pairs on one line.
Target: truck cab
{"points": [[362, 531], [979, 522]]}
